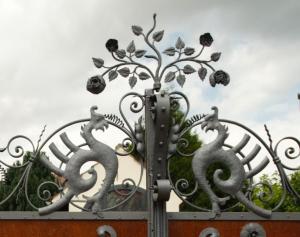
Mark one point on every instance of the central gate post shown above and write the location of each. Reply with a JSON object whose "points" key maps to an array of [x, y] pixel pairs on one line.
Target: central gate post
{"points": [[157, 124]]}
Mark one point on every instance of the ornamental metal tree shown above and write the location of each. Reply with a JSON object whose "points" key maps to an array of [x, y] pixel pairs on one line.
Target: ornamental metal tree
{"points": [[160, 140], [168, 73]]}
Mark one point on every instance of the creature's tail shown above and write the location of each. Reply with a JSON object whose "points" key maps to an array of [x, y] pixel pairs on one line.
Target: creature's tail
{"points": [[233, 184], [252, 207]]}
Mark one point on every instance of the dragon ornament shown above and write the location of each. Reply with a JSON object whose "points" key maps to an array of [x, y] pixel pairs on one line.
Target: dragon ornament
{"points": [[213, 152], [98, 152]]}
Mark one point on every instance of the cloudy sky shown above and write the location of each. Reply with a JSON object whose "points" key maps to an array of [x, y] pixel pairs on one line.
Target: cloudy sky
{"points": [[46, 49]]}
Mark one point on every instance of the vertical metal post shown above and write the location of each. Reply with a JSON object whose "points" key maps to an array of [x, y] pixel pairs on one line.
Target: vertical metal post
{"points": [[157, 123]]}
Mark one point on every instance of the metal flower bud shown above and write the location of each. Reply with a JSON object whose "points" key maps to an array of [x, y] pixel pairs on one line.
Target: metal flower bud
{"points": [[112, 45], [95, 84], [219, 77], [206, 40]]}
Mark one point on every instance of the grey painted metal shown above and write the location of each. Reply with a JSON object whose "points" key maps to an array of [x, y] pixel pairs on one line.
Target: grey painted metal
{"points": [[129, 66], [157, 117], [98, 152], [157, 140], [134, 215], [162, 190], [105, 230], [212, 153], [209, 232], [253, 230]]}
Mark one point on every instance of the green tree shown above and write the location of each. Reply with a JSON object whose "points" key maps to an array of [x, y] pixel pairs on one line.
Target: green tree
{"points": [[38, 175], [268, 199]]}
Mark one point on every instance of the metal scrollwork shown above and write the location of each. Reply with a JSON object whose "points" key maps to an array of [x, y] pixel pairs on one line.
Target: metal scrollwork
{"points": [[263, 196], [212, 153], [290, 152], [156, 138], [98, 152]]}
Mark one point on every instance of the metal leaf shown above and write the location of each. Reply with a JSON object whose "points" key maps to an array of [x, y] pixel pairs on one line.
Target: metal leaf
{"points": [[215, 56], [140, 53], [131, 47], [144, 76], [132, 81], [170, 76], [170, 51], [157, 36], [180, 79], [124, 71], [98, 62], [188, 69], [121, 53], [189, 51], [112, 75], [137, 30], [179, 43], [202, 73]]}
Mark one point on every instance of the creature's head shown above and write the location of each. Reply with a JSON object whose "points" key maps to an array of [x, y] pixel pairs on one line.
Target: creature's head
{"points": [[97, 120], [211, 121]]}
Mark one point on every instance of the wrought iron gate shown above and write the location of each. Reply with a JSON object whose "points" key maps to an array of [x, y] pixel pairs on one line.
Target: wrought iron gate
{"points": [[158, 138]]}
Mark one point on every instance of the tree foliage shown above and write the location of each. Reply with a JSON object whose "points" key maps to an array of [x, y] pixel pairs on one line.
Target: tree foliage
{"points": [[38, 175], [269, 194]]}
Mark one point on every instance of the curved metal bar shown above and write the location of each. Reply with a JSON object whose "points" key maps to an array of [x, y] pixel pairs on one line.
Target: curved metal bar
{"points": [[132, 193], [289, 151], [124, 184], [133, 107], [178, 193], [187, 105], [47, 193], [129, 195], [152, 46], [16, 187], [184, 183], [262, 195], [26, 188], [76, 122], [251, 132], [18, 149], [59, 129]]}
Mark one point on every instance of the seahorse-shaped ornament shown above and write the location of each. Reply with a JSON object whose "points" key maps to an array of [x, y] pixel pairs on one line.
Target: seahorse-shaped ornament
{"points": [[98, 152], [213, 152]]}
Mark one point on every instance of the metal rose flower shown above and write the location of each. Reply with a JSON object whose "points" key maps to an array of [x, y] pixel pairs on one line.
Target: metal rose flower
{"points": [[219, 77], [95, 84], [206, 40], [112, 45]]}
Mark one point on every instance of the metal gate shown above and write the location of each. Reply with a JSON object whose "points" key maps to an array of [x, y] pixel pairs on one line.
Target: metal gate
{"points": [[158, 138]]}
